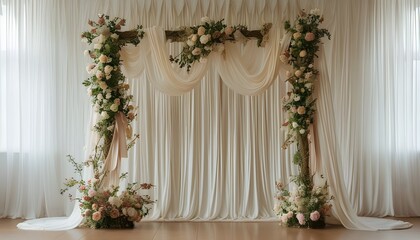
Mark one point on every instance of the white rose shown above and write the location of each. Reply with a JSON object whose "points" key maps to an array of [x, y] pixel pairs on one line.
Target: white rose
{"points": [[205, 19], [310, 65], [108, 95], [315, 11], [99, 96], [302, 53], [114, 107], [102, 38], [115, 36], [201, 30], [89, 91], [302, 131], [190, 43], [295, 125], [298, 73], [108, 69], [196, 51], [115, 201], [104, 115], [97, 46], [205, 38]]}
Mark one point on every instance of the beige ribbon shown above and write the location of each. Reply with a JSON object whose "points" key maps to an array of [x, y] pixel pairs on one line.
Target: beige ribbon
{"points": [[117, 150], [314, 165]]}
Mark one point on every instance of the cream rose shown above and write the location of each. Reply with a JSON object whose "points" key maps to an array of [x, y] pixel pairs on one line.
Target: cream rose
{"points": [[302, 53], [114, 107], [298, 73], [108, 69], [196, 51], [103, 58], [201, 31], [297, 35], [301, 110]]}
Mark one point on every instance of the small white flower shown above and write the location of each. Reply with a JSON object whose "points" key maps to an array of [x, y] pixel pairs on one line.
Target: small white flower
{"points": [[110, 128], [89, 91], [108, 95], [104, 115], [205, 19], [302, 53], [295, 125], [115, 201], [296, 98], [97, 46], [315, 11], [99, 96], [308, 75], [302, 131], [203, 60], [115, 36]]}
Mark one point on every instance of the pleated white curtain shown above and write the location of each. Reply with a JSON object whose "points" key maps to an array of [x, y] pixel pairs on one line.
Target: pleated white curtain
{"points": [[214, 153]]}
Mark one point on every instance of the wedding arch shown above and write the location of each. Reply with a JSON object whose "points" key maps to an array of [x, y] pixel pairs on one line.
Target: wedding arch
{"points": [[238, 73]]}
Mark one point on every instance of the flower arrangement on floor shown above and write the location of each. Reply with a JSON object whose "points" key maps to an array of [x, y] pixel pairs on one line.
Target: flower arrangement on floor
{"points": [[307, 205], [104, 206], [210, 35]]}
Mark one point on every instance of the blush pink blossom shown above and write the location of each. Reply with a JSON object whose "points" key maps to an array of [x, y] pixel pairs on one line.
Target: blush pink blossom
{"points": [[96, 216], [315, 216], [309, 36], [301, 218]]}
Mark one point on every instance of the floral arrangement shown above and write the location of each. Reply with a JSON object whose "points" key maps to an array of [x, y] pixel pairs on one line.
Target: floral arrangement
{"points": [[106, 84], [104, 206], [210, 36], [304, 206], [308, 204]]}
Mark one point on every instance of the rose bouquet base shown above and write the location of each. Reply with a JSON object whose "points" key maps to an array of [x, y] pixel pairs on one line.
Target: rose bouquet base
{"points": [[114, 223]]}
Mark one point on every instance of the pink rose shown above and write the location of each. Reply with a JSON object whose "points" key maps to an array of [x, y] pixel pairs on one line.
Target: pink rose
{"points": [[91, 193], [315, 216], [301, 218], [83, 187], [309, 36], [196, 51], [96, 216]]}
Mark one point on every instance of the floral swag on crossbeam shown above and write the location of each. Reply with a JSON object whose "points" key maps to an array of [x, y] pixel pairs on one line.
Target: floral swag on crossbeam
{"points": [[306, 205]]}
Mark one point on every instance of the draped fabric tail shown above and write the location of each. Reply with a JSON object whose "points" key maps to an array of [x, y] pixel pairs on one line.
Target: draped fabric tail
{"points": [[342, 208]]}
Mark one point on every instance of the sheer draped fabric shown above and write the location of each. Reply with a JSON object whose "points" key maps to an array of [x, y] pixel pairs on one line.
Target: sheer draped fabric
{"points": [[214, 151]]}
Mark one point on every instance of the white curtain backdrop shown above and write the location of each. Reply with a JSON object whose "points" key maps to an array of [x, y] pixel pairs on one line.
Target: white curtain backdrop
{"points": [[214, 153]]}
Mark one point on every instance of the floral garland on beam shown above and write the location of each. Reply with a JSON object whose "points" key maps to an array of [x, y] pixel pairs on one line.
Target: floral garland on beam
{"points": [[104, 206], [200, 41], [306, 205]]}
